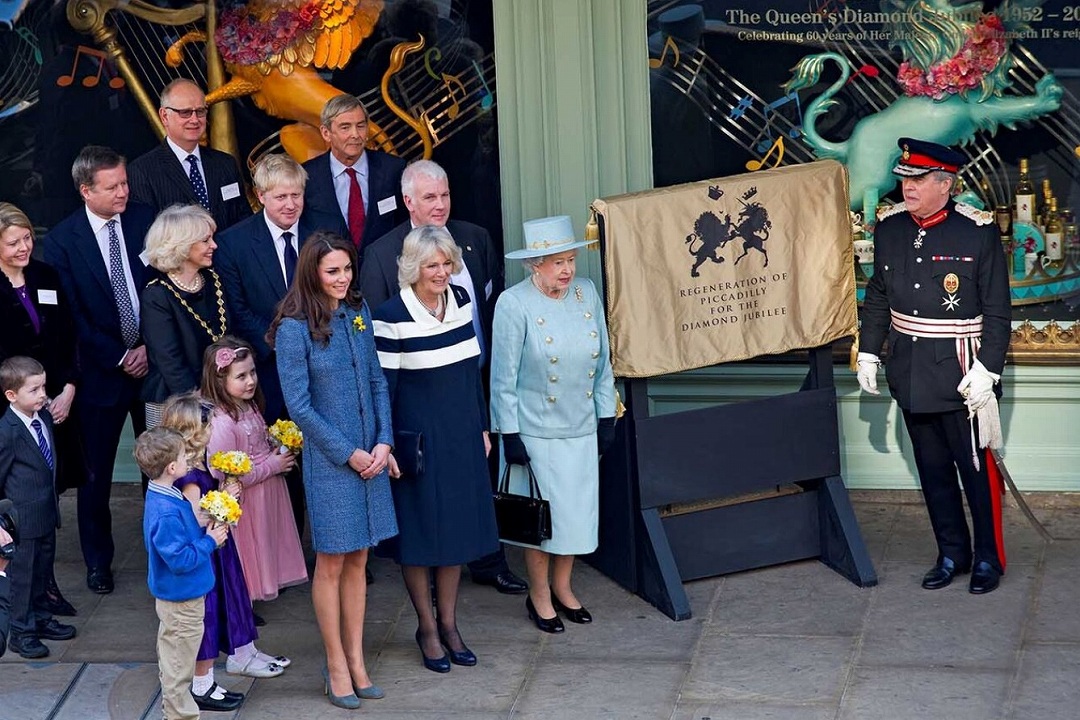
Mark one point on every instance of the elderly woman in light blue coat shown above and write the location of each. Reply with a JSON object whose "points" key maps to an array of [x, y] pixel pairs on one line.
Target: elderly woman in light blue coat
{"points": [[553, 404], [335, 391]]}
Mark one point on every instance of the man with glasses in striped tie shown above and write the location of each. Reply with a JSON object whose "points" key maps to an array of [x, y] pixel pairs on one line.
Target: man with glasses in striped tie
{"points": [[180, 170], [28, 479], [96, 251]]}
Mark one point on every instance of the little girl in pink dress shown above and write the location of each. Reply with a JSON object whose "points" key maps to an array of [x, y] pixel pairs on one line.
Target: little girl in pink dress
{"points": [[266, 536]]}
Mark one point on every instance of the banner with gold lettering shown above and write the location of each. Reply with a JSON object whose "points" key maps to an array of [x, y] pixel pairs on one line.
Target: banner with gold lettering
{"points": [[728, 269]]}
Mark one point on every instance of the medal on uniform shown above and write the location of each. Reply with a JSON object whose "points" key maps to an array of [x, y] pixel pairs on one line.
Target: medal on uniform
{"points": [[919, 238], [951, 285]]}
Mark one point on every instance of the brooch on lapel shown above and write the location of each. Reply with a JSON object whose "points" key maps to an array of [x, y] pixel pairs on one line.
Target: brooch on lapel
{"points": [[358, 324], [578, 294]]}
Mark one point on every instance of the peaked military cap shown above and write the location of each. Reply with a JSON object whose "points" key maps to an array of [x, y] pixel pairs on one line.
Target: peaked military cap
{"points": [[919, 157]]}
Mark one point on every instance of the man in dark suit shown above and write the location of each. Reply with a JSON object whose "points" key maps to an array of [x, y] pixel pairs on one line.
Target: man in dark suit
{"points": [[28, 479], [96, 252], [350, 190], [180, 170], [256, 259], [5, 592], [426, 193]]}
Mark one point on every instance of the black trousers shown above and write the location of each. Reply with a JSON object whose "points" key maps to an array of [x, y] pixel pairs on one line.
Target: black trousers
{"points": [[29, 571], [101, 427], [943, 449]]}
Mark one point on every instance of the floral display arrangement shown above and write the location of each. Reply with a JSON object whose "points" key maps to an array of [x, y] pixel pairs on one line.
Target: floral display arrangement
{"points": [[287, 436], [222, 507], [979, 55], [232, 463]]}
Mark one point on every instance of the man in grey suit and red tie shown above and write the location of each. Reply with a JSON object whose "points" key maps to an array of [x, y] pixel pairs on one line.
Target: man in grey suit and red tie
{"points": [[256, 259], [351, 190], [180, 170], [426, 193], [96, 251]]}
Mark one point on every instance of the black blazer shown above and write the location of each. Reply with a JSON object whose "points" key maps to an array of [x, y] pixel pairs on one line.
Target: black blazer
{"points": [[254, 285], [379, 271], [5, 612], [159, 180], [25, 478], [321, 209], [175, 339], [72, 250], [54, 346]]}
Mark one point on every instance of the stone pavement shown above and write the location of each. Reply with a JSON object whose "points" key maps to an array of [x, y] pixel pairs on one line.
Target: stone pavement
{"points": [[794, 642]]}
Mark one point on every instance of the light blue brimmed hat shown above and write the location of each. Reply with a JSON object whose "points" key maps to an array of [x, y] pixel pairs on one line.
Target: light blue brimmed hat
{"points": [[547, 236]]}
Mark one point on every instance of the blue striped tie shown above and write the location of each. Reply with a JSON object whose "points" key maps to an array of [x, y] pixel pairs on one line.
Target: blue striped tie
{"points": [[42, 443]]}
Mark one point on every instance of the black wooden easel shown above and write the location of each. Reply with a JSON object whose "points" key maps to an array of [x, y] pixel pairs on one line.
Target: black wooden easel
{"points": [[722, 489]]}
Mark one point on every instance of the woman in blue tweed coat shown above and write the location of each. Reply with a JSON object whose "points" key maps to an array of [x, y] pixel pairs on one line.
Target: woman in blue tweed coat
{"points": [[335, 391]]}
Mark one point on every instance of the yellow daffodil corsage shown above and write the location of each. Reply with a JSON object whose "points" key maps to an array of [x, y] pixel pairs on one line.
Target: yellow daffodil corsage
{"points": [[358, 324]]}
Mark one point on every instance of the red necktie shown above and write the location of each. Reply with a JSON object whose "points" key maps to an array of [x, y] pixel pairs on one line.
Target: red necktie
{"points": [[356, 209]]}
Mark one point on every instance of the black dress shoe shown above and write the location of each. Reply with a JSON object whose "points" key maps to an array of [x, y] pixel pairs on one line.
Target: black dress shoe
{"points": [[28, 646], [942, 574], [984, 578], [99, 580], [549, 625], [54, 603], [580, 615], [258, 619], [54, 630], [228, 702], [505, 582]]}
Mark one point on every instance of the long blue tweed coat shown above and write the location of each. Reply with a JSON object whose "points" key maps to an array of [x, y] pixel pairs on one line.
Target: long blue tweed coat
{"points": [[337, 394]]}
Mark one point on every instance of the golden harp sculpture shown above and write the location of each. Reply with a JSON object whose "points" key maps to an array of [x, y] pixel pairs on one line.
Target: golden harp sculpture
{"points": [[272, 50]]}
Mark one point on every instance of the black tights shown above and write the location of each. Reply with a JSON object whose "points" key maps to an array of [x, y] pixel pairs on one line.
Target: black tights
{"points": [[438, 625]]}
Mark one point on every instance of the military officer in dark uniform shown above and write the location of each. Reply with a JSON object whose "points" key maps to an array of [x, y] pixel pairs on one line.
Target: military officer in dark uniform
{"points": [[940, 295]]}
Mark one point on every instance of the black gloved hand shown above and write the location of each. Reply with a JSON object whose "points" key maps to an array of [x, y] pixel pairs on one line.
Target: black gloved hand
{"points": [[605, 434], [514, 450]]}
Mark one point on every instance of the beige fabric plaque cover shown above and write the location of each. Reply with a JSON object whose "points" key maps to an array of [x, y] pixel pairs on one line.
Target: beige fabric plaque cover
{"points": [[728, 269]]}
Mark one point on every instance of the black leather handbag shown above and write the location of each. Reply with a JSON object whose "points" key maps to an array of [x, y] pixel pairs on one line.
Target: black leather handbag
{"points": [[522, 518], [409, 453]]}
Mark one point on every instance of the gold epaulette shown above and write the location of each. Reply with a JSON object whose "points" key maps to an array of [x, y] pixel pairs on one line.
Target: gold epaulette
{"points": [[980, 217], [890, 211]]}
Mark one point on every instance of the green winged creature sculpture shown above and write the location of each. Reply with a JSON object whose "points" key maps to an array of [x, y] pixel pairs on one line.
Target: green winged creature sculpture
{"points": [[956, 65]]}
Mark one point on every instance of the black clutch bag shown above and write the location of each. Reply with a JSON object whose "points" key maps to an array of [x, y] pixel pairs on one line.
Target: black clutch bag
{"points": [[522, 518], [409, 453]]}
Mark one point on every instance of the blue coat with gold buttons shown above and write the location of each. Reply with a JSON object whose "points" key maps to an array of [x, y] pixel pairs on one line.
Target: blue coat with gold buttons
{"points": [[550, 369]]}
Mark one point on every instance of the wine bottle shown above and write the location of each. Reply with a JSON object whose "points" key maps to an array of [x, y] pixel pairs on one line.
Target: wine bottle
{"points": [[1024, 195], [1055, 250]]}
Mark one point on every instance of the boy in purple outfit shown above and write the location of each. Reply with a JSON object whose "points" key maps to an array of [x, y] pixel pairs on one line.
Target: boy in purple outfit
{"points": [[179, 570]]}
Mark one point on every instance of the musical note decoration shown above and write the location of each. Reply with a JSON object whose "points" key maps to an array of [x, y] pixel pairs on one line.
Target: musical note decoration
{"points": [[744, 104], [868, 70], [89, 80], [669, 44], [30, 39], [449, 81], [486, 98], [772, 109], [432, 54], [777, 147]]}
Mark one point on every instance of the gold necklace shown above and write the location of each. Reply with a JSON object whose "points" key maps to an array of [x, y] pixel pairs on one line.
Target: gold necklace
{"points": [[193, 288], [191, 310]]}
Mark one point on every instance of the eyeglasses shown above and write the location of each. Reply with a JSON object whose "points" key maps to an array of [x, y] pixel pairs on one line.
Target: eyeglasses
{"points": [[185, 113]]}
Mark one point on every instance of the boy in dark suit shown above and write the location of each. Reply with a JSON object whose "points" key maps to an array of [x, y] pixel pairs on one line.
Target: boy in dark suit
{"points": [[28, 479]]}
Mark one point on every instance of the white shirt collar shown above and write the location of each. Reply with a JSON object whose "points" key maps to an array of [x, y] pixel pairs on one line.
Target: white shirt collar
{"points": [[337, 167], [96, 222], [276, 232], [27, 420], [182, 154]]}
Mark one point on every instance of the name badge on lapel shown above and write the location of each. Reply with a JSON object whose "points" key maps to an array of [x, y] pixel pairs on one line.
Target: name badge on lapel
{"points": [[47, 297], [387, 205], [230, 191]]}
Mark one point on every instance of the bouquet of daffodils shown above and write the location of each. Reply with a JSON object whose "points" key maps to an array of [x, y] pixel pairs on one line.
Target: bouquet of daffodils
{"points": [[232, 463], [287, 436], [221, 506]]}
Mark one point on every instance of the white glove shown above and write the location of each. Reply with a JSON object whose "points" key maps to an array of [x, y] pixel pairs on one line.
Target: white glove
{"points": [[868, 367], [977, 387]]}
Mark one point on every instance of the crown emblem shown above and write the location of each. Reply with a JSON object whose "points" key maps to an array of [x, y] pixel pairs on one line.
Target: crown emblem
{"points": [[907, 153]]}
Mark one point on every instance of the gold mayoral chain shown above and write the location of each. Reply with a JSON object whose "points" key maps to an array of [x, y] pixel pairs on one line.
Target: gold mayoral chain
{"points": [[220, 305]]}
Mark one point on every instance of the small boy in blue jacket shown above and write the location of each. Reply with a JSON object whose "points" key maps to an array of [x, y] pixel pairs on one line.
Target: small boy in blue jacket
{"points": [[179, 569]]}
